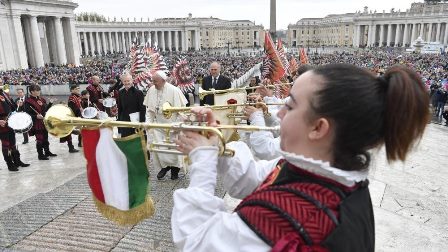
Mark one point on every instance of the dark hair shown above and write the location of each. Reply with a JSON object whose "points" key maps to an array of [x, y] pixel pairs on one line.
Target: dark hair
{"points": [[34, 87], [84, 92], [74, 86], [19, 89], [370, 111], [303, 68]]}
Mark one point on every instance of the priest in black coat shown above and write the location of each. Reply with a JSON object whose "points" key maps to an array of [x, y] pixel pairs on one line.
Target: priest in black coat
{"points": [[130, 101]]}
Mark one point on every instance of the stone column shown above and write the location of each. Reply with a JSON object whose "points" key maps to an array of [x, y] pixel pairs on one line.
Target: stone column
{"points": [[97, 40], [92, 44], [162, 45], [413, 34], [197, 42], [406, 35], [355, 31], [438, 32], [187, 43], [79, 43], [85, 45], [422, 30], [70, 41], [103, 42], [22, 60], [445, 39], [369, 35], [129, 42], [123, 43], [117, 45], [381, 36], [170, 46], [429, 38], [60, 42], [109, 39], [397, 35], [389, 35], [176, 41], [37, 46], [373, 42], [182, 41], [150, 38]]}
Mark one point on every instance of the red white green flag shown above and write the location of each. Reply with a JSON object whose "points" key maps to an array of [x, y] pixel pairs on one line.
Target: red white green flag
{"points": [[118, 175]]}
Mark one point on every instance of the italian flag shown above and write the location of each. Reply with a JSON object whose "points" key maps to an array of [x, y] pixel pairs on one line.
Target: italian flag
{"points": [[118, 175]]}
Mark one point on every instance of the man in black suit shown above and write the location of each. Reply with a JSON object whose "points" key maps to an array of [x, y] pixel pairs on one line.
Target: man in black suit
{"points": [[130, 101], [214, 81]]}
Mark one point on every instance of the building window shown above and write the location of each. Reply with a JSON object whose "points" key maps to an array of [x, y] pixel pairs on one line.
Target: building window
{"points": [[294, 33]]}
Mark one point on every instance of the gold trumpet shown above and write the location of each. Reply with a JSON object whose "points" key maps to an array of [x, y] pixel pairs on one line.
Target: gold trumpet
{"points": [[168, 110], [203, 93], [60, 121]]}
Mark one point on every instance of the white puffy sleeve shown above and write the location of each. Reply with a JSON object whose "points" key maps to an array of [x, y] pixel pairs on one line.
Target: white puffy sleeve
{"points": [[263, 143], [199, 220]]}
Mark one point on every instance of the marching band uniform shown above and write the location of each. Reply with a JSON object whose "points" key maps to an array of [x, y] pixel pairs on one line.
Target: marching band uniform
{"points": [[7, 135], [322, 209], [86, 103], [74, 103], [33, 106], [21, 109], [96, 93]]}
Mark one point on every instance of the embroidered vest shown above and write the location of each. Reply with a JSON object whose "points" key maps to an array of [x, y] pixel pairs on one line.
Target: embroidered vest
{"points": [[295, 210]]}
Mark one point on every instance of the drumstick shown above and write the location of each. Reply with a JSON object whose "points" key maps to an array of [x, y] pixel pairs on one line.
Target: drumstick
{"points": [[35, 110]]}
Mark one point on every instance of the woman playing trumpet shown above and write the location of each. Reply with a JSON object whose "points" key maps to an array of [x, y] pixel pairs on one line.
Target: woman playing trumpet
{"points": [[315, 197]]}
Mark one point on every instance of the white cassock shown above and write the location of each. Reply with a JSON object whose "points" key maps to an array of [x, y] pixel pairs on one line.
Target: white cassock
{"points": [[153, 101]]}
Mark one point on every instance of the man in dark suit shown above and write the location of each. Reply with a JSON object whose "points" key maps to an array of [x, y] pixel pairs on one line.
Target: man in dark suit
{"points": [[130, 101], [214, 81]]}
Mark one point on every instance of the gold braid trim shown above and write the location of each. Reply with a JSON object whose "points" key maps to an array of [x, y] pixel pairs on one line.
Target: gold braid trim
{"points": [[129, 217]]}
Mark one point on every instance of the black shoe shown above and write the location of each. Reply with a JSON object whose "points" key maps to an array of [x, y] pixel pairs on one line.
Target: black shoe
{"points": [[43, 157], [162, 173], [24, 142], [49, 154], [175, 173], [13, 168], [71, 149], [79, 144], [15, 154]]}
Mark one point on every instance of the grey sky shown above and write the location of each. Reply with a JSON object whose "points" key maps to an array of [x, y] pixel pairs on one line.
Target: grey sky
{"points": [[288, 11]]}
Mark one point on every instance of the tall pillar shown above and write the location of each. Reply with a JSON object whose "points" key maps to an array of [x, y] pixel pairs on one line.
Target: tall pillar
{"points": [[170, 46], [103, 42], [85, 44], [176, 41], [397, 35], [110, 46], [445, 39], [98, 46], [369, 35], [414, 32], [389, 35], [70, 41], [182, 41], [422, 30], [117, 46], [92, 44], [129, 41], [355, 35], [156, 38], [197, 42], [406, 35], [123, 43], [37, 47], [60, 41], [21, 58], [429, 38], [373, 41], [150, 38], [438, 32], [162, 45], [381, 36], [187, 43], [79, 43]]}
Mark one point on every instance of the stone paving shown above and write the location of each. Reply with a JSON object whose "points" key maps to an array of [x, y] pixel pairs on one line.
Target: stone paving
{"points": [[48, 207]]}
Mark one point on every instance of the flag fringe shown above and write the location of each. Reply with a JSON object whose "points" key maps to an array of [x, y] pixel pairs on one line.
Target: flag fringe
{"points": [[129, 217]]}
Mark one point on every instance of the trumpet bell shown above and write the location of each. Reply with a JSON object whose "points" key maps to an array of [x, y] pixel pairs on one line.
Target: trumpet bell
{"points": [[54, 120]]}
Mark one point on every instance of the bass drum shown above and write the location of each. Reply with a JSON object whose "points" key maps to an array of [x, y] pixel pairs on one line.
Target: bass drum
{"points": [[20, 122], [110, 105]]}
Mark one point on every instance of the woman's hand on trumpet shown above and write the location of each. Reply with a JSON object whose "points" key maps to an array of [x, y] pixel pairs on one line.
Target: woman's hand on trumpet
{"points": [[190, 140], [249, 110]]}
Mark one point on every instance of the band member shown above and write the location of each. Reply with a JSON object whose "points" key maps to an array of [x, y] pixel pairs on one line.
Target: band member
{"points": [[130, 102], [74, 103], [7, 135], [36, 106], [214, 81], [20, 101], [85, 99], [96, 92], [158, 94], [315, 197]]}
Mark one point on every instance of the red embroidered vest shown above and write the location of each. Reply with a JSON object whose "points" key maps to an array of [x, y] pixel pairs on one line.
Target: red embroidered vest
{"points": [[295, 210]]}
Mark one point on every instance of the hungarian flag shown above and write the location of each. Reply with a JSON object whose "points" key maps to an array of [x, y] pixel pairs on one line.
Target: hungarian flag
{"points": [[118, 175], [303, 56], [293, 66], [273, 67], [283, 57]]}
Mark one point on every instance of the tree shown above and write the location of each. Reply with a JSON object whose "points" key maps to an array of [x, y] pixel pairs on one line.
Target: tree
{"points": [[90, 16]]}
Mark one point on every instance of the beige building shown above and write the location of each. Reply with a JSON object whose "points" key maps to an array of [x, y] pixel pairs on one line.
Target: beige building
{"points": [[169, 34], [374, 29]]}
